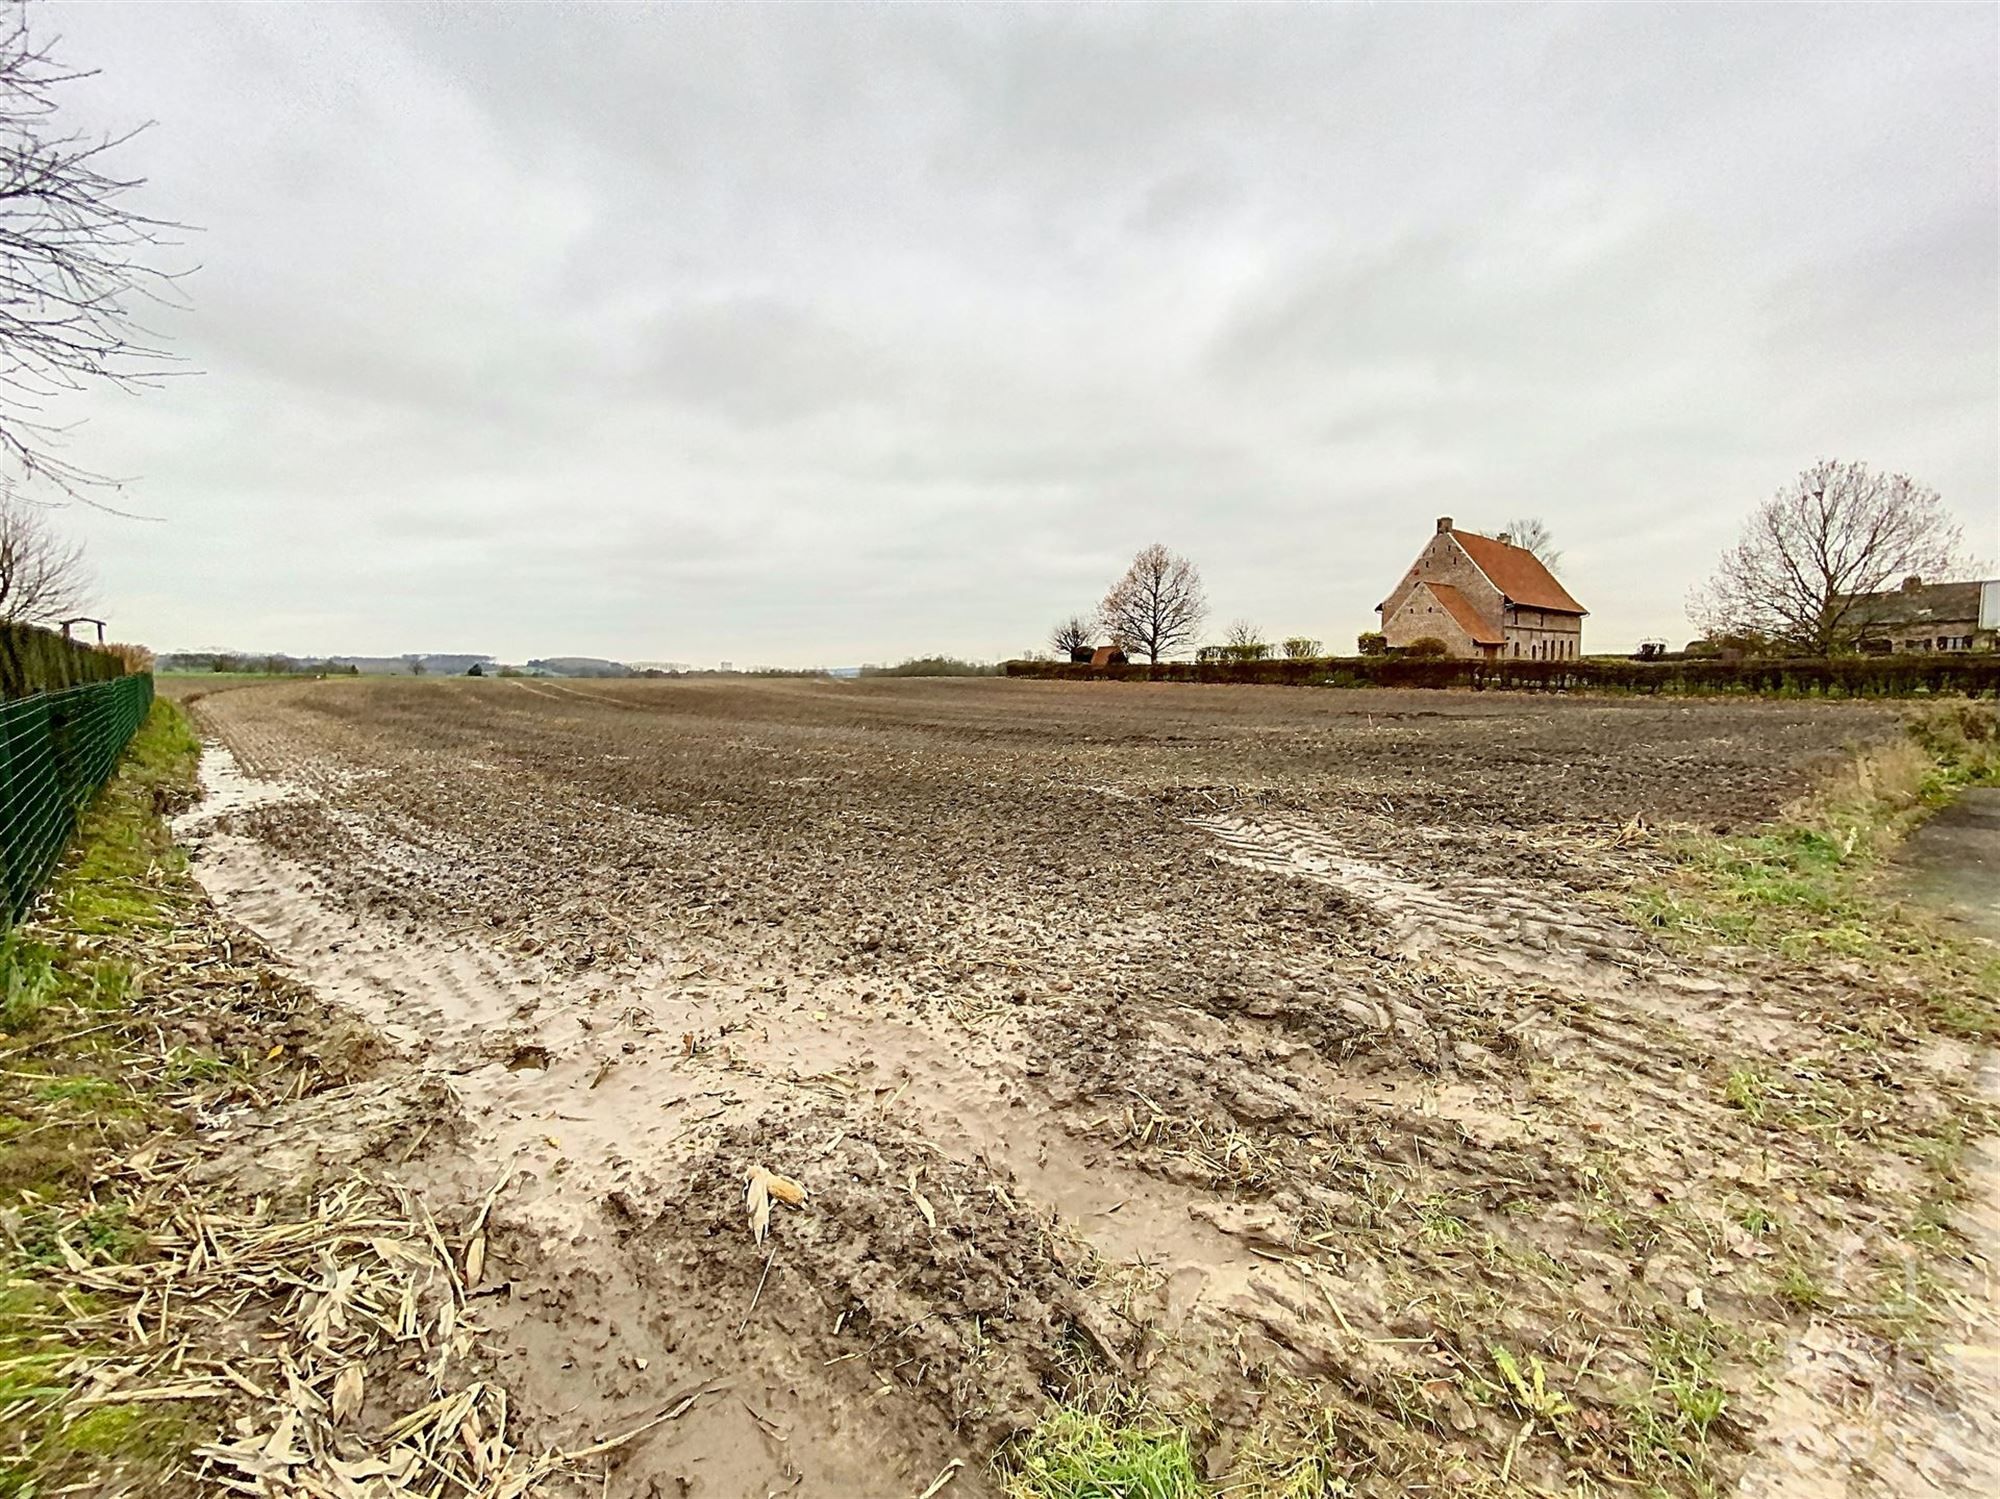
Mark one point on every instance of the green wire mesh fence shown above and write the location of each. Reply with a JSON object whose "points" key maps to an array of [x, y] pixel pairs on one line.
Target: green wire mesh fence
{"points": [[56, 749]]}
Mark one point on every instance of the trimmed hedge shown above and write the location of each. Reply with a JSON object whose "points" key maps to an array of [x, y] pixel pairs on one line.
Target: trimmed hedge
{"points": [[1837, 676], [36, 660]]}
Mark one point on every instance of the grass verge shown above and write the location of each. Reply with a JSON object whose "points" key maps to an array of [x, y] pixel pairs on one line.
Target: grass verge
{"points": [[1812, 885], [69, 1102], [127, 1011]]}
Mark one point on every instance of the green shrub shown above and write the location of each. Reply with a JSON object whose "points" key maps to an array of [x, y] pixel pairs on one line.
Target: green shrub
{"points": [[1971, 674], [36, 660]]}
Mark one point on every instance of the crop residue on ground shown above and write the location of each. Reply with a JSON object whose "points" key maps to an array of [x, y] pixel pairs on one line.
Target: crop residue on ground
{"points": [[1273, 1091]]}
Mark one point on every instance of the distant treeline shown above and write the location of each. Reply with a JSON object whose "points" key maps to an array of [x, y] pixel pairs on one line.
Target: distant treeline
{"points": [[1834, 676], [935, 666], [274, 666]]}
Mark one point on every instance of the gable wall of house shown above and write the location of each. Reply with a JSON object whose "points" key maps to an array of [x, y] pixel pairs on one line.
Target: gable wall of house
{"points": [[1443, 560], [1420, 615]]}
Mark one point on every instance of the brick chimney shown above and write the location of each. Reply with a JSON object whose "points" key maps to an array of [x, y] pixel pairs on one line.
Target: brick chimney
{"points": [[1444, 525], [1912, 583]]}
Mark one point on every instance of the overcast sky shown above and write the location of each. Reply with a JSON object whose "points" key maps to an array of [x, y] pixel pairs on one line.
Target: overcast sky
{"points": [[822, 335]]}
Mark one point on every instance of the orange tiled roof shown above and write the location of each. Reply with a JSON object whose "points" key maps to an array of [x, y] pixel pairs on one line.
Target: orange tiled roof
{"points": [[1460, 608], [1518, 573]]}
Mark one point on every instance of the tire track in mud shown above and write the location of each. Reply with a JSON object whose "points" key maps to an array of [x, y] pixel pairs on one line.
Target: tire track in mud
{"points": [[1211, 1272], [546, 1081], [1846, 1415], [1511, 931], [1489, 920], [1237, 1141]]}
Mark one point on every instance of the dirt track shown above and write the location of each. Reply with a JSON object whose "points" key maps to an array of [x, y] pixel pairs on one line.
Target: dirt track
{"points": [[1279, 1052]]}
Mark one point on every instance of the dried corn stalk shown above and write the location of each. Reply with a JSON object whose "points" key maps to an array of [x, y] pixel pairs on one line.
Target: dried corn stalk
{"points": [[760, 1189], [362, 1276]]}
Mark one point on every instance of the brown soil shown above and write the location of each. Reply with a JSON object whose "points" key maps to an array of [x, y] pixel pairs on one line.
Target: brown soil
{"points": [[1280, 1053]]}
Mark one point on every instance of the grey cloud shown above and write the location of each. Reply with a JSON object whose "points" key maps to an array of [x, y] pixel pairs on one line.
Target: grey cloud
{"points": [[829, 333], [760, 360]]}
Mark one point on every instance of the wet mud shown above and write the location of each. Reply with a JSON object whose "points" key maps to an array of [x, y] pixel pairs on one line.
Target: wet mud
{"points": [[1268, 1052]]}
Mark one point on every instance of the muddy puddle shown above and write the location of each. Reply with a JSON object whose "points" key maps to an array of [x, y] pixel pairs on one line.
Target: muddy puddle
{"points": [[1952, 862]]}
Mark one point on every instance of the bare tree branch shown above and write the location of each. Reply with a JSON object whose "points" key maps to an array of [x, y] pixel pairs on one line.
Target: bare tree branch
{"points": [[42, 577], [76, 264], [1072, 635], [1836, 533], [1533, 534], [1157, 606]]}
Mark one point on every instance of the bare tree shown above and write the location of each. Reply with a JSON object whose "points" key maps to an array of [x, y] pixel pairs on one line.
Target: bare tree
{"points": [[1157, 606], [74, 261], [1074, 634], [1534, 535], [1840, 530], [42, 577], [1245, 642]]}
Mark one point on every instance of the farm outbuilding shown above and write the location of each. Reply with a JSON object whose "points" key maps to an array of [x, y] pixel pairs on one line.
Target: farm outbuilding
{"points": [[1920, 617]]}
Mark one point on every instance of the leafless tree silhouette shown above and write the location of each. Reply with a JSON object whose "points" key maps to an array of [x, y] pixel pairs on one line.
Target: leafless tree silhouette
{"points": [[1157, 606], [1072, 635], [77, 263], [1837, 531], [1534, 535], [42, 576]]}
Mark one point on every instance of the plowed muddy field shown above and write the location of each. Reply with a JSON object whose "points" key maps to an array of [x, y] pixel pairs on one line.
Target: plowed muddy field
{"points": [[1290, 1065]]}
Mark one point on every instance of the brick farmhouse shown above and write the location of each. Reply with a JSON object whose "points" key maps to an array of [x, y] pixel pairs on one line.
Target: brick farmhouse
{"points": [[1922, 616], [1483, 597]]}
